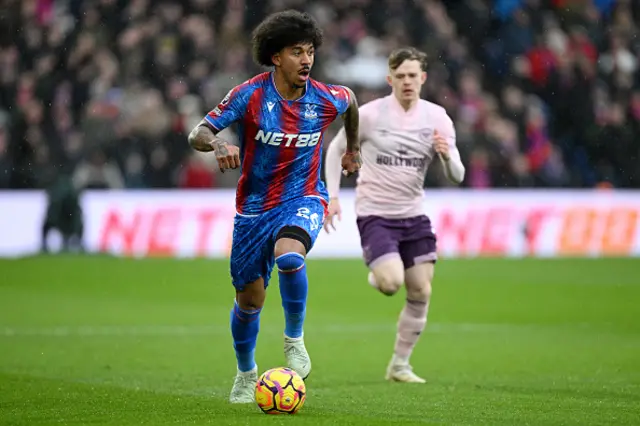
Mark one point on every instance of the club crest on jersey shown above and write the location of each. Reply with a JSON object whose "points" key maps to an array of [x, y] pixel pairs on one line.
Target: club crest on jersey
{"points": [[310, 112], [425, 135]]}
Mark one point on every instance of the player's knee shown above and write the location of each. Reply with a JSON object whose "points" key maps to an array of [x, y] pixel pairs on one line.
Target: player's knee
{"points": [[290, 262], [418, 280], [388, 284], [252, 296], [249, 302], [389, 276], [420, 292]]}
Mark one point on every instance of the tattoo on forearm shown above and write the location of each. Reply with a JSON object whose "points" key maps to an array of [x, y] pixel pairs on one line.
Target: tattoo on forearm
{"points": [[220, 147], [351, 125], [203, 139], [200, 139]]}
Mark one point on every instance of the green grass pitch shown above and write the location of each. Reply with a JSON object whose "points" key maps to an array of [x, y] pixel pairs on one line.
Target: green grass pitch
{"points": [[94, 340]]}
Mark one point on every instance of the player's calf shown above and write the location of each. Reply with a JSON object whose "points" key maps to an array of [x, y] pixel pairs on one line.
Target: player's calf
{"points": [[413, 317], [411, 323], [291, 248], [293, 290], [245, 323], [292, 244]]}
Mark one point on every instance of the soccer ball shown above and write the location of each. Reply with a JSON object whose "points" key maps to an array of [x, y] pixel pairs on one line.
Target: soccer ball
{"points": [[280, 391]]}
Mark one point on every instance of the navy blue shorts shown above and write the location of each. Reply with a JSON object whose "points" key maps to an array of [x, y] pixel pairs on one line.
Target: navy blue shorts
{"points": [[254, 237]]}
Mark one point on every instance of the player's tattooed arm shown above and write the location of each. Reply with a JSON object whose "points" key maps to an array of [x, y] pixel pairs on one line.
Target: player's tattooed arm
{"points": [[351, 160], [351, 119], [203, 138]]}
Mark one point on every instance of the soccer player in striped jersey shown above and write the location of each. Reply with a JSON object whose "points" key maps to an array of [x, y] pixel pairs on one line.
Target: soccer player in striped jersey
{"points": [[401, 135], [281, 202]]}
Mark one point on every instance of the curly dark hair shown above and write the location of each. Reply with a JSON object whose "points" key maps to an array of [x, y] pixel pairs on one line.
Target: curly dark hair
{"points": [[284, 29]]}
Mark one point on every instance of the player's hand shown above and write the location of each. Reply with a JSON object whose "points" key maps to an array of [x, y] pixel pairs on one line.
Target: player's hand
{"points": [[228, 156], [351, 162], [334, 210], [440, 145]]}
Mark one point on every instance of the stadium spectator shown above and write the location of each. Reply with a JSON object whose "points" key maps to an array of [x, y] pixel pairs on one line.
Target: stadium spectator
{"points": [[543, 93]]}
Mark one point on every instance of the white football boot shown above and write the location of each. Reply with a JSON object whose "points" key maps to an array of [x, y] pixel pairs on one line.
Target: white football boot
{"points": [[399, 371], [297, 357], [244, 387]]}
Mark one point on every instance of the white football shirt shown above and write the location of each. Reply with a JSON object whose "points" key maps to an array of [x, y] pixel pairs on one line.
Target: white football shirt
{"points": [[396, 148]]}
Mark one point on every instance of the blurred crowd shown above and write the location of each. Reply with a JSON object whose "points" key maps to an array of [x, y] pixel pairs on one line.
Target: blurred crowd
{"points": [[542, 93]]}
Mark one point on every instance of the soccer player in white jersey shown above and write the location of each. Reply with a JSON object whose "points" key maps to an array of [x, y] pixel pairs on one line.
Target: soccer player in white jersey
{"points": [[400, 136]]}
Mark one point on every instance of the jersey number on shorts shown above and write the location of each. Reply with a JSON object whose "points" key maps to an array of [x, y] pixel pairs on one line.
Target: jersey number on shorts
{"points": [[313, 218]]}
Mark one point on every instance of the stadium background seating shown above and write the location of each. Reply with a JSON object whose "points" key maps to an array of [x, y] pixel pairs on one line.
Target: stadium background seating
{"points": [[543, 93]]}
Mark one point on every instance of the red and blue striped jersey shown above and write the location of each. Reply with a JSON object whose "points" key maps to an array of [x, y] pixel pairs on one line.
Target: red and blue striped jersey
{"points": [[281, 140]]}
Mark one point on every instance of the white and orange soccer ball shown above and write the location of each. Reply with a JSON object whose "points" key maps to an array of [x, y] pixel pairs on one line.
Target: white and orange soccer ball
{"points": [[280, 391]]}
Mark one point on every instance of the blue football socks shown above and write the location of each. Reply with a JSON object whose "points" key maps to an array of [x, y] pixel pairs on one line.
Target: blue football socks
{"points": [[293, 290], [244, 329]]}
